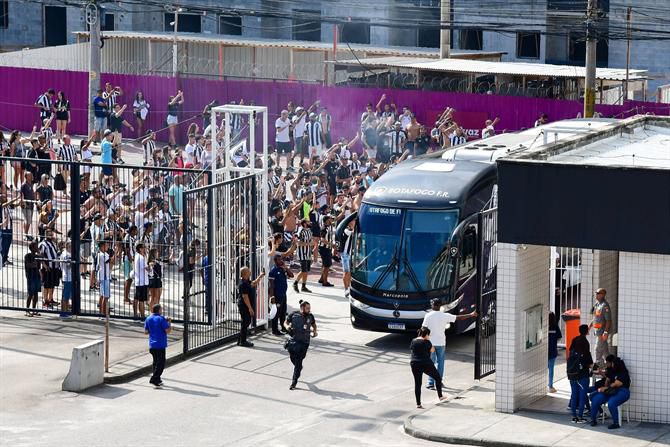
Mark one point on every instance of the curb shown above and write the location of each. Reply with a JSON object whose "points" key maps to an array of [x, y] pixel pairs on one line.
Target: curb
{"points": [[418, 433], [115, 379]]}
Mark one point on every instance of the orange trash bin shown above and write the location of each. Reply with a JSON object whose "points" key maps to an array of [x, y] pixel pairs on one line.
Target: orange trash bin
{"points": [[572, 319]]}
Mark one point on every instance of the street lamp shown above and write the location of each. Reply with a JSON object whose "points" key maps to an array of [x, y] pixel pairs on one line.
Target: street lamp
{"points": [[175, 25]]}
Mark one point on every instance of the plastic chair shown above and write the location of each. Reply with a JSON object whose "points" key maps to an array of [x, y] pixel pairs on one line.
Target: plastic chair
{"points": [[622, 408]]}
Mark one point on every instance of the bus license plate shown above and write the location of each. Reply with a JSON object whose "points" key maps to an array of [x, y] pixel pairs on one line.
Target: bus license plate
{"points": [[397, 326]]}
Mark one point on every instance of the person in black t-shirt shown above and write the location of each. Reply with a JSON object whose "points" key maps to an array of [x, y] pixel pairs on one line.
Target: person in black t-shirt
{"points": [[300, 325], [277, 221], [32, 269], [422, 142], [246, 297], [343, 175], [421, 364], [615, 391]]}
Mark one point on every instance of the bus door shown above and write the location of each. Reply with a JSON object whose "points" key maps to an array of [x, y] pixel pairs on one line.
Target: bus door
{"points": [[485, 329]]}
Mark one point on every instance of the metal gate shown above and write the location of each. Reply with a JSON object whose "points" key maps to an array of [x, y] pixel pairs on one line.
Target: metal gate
{"points": [[485, 329], [226, 228], [566, 282]]}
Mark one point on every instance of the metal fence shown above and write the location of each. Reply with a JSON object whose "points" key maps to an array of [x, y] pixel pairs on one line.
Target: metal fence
{"points": [[485, 330], [231, 234], [67, 209], [566, 282]]}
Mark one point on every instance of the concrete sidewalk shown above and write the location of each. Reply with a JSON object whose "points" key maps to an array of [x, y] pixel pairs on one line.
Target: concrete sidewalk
{"points": [[41, 348], [470, 419]]}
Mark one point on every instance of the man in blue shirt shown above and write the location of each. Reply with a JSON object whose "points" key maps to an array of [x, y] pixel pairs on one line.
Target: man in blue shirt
{"points": [[157, 327], [279, 282], [106, 153], [100, 112]]}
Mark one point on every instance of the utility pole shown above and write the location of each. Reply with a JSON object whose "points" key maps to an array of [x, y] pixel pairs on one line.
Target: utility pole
{"points": [[175, 57], [591, 44], [93, 20], [445, 28], [629, 16]]}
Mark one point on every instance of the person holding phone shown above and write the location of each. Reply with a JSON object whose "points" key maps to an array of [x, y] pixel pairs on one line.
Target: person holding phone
{"points": [[246, 290]]}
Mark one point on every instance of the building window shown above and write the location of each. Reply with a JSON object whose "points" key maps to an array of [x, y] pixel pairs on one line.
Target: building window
{"points": [[307, 25], [577, 50], [528, 45], [108, 23], [188, 23], [471, 39], [355, 32], [429, 37], [4, 14], [231, 25]]}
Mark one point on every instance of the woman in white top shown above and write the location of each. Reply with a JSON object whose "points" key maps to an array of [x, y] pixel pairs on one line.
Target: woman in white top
{"points": [[141, 111]]}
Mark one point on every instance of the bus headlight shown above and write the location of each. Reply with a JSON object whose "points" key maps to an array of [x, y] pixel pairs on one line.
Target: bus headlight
{"points": [[357, 304]]}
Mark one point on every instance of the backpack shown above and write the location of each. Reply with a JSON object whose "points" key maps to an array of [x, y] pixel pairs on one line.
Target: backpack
{"points": [[574, 366]]}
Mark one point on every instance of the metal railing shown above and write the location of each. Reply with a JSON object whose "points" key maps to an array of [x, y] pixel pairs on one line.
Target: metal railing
{"points": [[77, 207]]}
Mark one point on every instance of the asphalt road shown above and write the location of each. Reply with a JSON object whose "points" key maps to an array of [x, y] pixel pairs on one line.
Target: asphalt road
{"points": [[356, 389]]}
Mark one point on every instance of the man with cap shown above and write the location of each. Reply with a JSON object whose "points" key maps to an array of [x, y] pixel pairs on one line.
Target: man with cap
{"points": [[438, 322], [326, 248], [279, 285], [601, 322]]}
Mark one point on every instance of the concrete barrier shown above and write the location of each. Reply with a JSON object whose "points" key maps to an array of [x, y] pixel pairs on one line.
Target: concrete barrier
{"points": [[87, 368]]}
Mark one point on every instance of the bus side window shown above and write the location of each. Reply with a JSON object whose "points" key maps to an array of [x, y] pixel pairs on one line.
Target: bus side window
{"points": [[468, 253]]}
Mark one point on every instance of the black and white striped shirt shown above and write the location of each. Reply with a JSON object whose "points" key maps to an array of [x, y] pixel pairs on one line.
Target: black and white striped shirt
{"points": [[44, 101], [197, 154], [235, 121], [455, 140], [48, 135], [304, 244], [49, 251], [149, 149], [347, 242], [313, 131], [67, 152], [355, 165], [396, 140], [327, 236], [111, 100]]}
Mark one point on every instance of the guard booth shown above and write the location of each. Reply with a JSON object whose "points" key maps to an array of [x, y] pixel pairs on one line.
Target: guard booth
{"points": [[228, 216], [601, 187]]}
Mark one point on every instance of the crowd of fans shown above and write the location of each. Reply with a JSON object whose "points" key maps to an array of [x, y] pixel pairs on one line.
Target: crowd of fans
{"points": [[133, 222]]}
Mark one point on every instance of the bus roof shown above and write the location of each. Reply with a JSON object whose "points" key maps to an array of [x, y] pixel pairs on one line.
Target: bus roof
{"points": [[429, 183]]}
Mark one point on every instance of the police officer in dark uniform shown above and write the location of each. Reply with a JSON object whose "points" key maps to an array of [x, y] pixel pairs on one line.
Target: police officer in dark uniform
{"points": [[300, 325], [279, 282], [246, 299]]}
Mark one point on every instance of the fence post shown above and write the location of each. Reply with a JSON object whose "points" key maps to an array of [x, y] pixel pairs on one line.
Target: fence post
{"points": [[75, 228], [209, 288], [184, 237]]}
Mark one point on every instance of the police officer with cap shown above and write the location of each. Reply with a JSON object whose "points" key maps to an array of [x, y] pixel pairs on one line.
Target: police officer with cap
{"points": [[601, 322]]}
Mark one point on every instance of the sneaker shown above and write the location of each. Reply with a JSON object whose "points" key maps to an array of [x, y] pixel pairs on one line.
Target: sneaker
{"points": [[430, 387], [247, 344], [581, 421], [295, 287], [293, 385], [613, 426], [347, 293], [593, 423], [277, 333], [552, 389], [574, 420], [305, 289], [327, 284]]}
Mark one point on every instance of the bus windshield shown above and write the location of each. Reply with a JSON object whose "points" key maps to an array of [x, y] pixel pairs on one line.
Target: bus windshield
{"points": [[404, 250]]}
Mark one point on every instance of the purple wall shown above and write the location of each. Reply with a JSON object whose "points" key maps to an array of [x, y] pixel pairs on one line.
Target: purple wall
{"points": [[19, 88]]}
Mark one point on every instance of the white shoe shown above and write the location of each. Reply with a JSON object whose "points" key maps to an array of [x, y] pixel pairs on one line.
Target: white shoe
{"points": [[346, 293]]}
